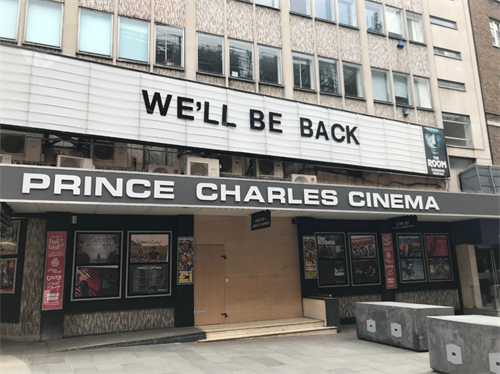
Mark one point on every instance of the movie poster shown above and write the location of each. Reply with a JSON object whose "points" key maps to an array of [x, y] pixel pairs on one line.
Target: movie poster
{"points": [[332, 273], [438, 257], [437, 245], [148, 279], [439, 268], [409, 245], [149, 247], [365, 272], [412, 270], [7, 275], [331, 245], [97, 282], [363, 246], [98, 248], [435, 152], [9, 238], [185, 258]]}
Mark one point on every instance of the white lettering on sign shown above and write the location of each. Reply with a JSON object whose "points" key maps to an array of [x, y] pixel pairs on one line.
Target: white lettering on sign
{"points": [[359, 199]]}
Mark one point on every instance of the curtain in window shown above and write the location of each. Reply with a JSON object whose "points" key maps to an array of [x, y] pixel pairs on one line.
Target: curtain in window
{"points": [[395, 21], [423, 93], [347, 12], [134, 35], [95, 32], [8, 18], [401, 90], [44, 23], [415, 27], [379, 81]]}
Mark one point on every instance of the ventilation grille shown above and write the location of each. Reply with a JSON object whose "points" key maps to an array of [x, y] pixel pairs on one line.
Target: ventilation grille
{"points": [[104, 151], [266, 167], [13, 144], [198, 168]]}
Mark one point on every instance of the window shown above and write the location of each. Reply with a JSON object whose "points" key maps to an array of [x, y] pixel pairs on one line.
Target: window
{"points": [[8, 18], [381, 88], [495, 32], [353, 80], [422, 92], [347, 13], [210, 54], [395, 24], [447, 53], [269, 65], [323, 9], [43, 25], [415, 27], [169, 49], [374, 17], [457, 130], [303, 71], [95, 32], [269, 3], [301, 7], [402, 89], [240, 59], [328, 76], [133, 39], [451, 85], [443, 22]]}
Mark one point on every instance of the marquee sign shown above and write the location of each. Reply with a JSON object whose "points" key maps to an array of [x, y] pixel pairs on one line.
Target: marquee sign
{"points": [[57, 93]]}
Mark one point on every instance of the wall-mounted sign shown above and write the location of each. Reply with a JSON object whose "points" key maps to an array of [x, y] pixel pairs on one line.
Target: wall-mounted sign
{"points": [[403, 223], [185, 257], [53, 282], [435, 152], [389, 262], [261, 220]]}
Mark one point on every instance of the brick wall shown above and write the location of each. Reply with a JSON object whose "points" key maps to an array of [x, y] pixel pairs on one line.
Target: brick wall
{"points": [[494, 134]]}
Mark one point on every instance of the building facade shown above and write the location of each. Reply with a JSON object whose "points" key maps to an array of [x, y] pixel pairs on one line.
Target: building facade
{"points": [[138, 137]]}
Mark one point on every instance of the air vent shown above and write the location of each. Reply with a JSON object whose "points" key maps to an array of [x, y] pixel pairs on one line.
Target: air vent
{"points": [[198, 168], [104, 151], [300, 178], [268, 168], [74, 162], [13, 144], [110, 154]]}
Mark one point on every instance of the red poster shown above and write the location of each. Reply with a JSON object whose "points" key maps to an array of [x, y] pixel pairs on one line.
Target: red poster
{"points": [[54, 271], [389, 263], [437, 245]]}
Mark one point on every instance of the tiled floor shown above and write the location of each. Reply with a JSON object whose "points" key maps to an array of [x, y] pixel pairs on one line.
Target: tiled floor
{"points": [[340, 354]]}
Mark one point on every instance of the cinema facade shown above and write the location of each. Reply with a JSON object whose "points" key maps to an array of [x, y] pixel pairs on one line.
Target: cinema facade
{"points": [[98, 242]]}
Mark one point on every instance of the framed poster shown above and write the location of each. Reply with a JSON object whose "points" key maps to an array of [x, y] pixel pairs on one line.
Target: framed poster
{"points": [[310, 257], [8, 267], [9, 238], [185, 259], [96, 265], [365, 270], [389, 262], [332, 259], [148, 263], [438, 257], [411, 258], [53, 280]]}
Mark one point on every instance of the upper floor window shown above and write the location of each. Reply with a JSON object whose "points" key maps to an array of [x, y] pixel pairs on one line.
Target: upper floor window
{"points": [[301, 7], [240, 59], [422, 92], [381, 85], [374, 17], [210, 54], [353, 80], [303, 71], [44, 21], [95, 32], [9, 11], [451, 85], [269, 3], [495, 32], [323, 9], [169, 49], [395, 24], [457, 130], [447, 53], [270, 65], [347, 12], [133, 42], [328, 76], [443, 22], [402, 89], [415, 27]]}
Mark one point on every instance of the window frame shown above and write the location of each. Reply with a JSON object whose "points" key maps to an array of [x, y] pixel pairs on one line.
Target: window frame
{"points": [[448, 50], [387, 83], [59, 47], [79, 33], [402, 20], [421, 23], [409, 90], [355, 18], [222, 74], [182, 67], [253, 59], [339, 82], [467, 131], [312, 71], [118, 42], [416, 77], [445, 81], [16, 36], [361, 81], [333, 20], [280, 65], [308, 6], [443, 22], [381, 6], [496, 35], [269, 6]]}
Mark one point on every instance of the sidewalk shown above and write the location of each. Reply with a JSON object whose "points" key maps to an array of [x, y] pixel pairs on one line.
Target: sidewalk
{"points": [[339, 354]]}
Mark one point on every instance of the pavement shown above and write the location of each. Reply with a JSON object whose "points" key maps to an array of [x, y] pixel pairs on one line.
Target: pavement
{"points": [[338, 354]]}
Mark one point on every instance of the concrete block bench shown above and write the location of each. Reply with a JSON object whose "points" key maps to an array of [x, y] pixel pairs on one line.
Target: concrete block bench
{"points": [[464, 344], [398, 324]]}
